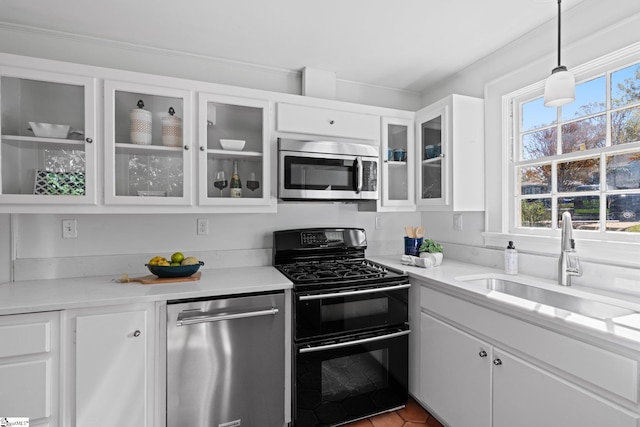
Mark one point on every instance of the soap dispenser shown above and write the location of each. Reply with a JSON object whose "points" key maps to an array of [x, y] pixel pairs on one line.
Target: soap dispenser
{"points": [[511, 259]]}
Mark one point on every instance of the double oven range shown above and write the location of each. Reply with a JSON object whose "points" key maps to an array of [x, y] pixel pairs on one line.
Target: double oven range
{"points": [[350, 327]]}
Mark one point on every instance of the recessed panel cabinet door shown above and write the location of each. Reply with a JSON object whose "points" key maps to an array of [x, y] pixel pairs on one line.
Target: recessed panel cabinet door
{"points": [[525, 396], [111, 370], [451, 358]]}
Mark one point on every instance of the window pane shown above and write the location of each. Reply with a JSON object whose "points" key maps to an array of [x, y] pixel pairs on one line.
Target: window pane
{"points": [[539, 144], [625, 86], [623, 171], [625, 126], [535, 213], [535, 115], [535, 180], [577, 175], [625, 208], [591, 98], [584, 134]]}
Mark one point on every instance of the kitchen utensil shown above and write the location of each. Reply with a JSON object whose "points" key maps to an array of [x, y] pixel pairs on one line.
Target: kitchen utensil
{"points": [[50, 130], [140, 125], [174, 271], [419, 231], [172, 129], [232, 144], [409, 231]]}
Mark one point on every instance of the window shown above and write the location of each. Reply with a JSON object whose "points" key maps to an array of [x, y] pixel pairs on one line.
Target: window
{"points": [[582, 158]]}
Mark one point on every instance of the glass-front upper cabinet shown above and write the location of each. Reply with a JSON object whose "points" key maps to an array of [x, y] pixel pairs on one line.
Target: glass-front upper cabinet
{"points": [[48, 142], [450, 157], [148, 144], [397, 165], [234, 155]]}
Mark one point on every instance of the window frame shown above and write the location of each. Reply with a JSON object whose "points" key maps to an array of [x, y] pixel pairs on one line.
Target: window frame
{"points": [[511, 117]]}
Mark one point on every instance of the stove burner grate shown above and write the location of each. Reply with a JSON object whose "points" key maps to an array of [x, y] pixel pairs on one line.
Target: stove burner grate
{"points": [[335, 270]]}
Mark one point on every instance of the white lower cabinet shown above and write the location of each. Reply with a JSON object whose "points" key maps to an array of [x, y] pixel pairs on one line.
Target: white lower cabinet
{"points": [[455, 374], [112, 366], [472, 380], [29, 367]]}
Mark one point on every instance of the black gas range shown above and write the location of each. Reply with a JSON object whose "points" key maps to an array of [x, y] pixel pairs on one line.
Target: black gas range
{"points": [[350, 326]]}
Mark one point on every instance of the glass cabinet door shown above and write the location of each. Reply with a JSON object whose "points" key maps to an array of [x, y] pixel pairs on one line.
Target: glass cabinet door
{"points": [[397, 164], [234, 137], [148, 142], [48, 143], [432, 131]]}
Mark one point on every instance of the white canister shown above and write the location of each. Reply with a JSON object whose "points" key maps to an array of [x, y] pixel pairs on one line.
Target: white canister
{"points": [[172, 130], [140, 125]]}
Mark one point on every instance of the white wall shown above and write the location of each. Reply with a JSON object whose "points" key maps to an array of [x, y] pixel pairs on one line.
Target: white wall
{"points": [[5, 248], [589, 30]]}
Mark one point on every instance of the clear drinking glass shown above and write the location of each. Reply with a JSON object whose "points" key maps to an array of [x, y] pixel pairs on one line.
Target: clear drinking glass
{"points": [[220, 182]]}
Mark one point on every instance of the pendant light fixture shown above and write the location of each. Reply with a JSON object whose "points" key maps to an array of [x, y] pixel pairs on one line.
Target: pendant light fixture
{"points": [[560, 88]]}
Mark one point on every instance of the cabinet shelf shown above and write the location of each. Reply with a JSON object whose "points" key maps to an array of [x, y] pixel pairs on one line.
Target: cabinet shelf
{"points": [[395, 163], [232, 154], [432, 161], [129, 148], [40, 140]]}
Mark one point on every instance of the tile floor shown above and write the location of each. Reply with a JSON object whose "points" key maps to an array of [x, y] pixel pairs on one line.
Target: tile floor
{"points": [[413, 415]]}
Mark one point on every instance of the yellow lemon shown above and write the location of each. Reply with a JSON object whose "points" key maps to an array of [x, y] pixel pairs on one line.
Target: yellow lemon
{"points": [[190, 260]]}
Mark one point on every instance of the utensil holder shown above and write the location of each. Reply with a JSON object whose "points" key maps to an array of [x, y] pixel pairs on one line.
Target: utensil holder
{"points": [[411, 245]]}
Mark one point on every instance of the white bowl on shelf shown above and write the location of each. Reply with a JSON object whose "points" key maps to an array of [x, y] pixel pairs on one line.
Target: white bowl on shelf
{"points": [[49, 130], [232, 144]]}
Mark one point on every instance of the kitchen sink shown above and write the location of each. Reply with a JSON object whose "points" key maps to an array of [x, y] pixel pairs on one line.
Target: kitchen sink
{"points": [[572, 303]]}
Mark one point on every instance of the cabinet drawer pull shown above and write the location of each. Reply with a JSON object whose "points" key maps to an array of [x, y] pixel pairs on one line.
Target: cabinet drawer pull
{"points": [[136, 333], [482, 353], [497, 362], [331, 122], [89, 140]]}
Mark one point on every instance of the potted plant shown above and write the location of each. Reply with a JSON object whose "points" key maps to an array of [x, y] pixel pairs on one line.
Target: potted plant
{"points": [[431, 249]]}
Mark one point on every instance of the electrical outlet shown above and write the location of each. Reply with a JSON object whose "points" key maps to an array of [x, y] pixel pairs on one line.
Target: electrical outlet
{"points": [[457, 222], [69, 228], [203, 226]]}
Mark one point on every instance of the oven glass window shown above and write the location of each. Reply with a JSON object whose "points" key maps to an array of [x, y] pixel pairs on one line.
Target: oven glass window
{"points": [[355, 374], [303, 173], [354, 309]]}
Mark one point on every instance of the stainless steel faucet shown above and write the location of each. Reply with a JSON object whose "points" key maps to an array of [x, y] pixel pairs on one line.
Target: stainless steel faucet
{"points": [[568, 264]]}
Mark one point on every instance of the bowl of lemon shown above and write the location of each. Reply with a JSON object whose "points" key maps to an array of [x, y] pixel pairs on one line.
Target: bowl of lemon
{"points": [[177, 265]]}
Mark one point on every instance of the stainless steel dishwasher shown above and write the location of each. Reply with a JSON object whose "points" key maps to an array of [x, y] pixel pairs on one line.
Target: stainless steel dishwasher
{"points": [[225, 362]]}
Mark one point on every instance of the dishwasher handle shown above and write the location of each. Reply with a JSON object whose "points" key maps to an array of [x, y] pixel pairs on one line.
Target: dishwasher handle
{"points": [[192, 320]]}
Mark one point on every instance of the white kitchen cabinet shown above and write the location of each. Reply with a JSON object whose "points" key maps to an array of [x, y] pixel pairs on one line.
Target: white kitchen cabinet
{"points": [[111, 365], [507, 372], [58, 166], [29, 367], [455, 374], [398, 159], [307, 120], [524, 395], [225, 117], [159, 172], [450, 155]]}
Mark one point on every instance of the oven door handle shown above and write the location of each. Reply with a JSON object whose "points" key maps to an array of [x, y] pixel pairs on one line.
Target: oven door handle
{"points": [[217, 318], [350, 293], [355, 342]]}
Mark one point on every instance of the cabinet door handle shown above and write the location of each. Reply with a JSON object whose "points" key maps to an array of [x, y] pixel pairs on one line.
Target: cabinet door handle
{"points": [[186, 147], [497, 362], [482, 353], [136, 333], [201, 148], [89, 140], [331, 122]]}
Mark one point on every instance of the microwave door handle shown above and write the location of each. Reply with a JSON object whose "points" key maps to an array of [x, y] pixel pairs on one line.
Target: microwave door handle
{"points": [[359, 177]]}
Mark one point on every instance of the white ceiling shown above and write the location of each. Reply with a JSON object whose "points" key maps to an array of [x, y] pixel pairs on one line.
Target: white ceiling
{"points": [[402, 44]]}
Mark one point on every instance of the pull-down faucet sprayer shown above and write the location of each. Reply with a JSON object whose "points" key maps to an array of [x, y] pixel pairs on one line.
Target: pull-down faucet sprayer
{"points": [[568, 264]]}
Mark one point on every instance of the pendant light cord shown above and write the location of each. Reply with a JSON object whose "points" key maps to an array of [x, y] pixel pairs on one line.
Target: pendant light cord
{"points": [[559, 41]]}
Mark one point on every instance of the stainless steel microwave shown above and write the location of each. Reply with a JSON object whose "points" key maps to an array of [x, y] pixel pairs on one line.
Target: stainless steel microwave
{"points": [[327, 170]]}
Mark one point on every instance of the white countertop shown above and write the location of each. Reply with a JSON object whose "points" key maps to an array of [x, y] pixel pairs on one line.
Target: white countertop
{"points": [[59, 294], [446, 277]]}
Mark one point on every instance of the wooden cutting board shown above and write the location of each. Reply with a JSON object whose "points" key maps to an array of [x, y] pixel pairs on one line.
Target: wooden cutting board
{"points": [[152, 279]]}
